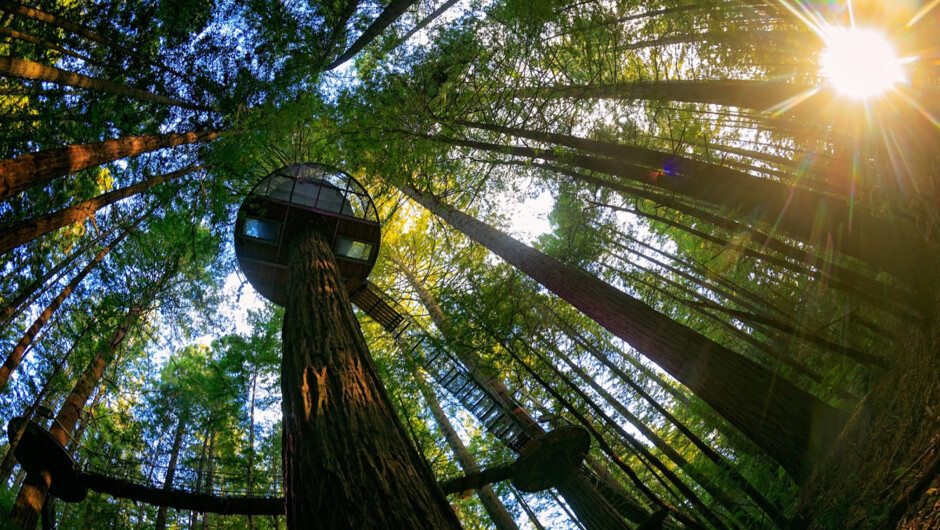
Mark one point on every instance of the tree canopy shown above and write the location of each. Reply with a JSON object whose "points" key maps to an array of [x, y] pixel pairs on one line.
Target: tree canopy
{"points": [[657, 220]]}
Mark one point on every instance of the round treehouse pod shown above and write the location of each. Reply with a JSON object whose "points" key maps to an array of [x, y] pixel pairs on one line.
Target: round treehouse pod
{"points": [[293, 197]]}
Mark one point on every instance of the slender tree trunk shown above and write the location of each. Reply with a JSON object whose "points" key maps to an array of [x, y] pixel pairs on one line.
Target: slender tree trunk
{"points": [[604, 445], [15, 357], [33, 71], [631, 441], [792, 426], [340, 430], [25, 37], [25, 171], [427, 20], [775, 357], [210, 471], [766, 41], [48, 514], [22, 232], [860, 286], [15, 306], [803, 214], [593, 509], [251, 447], [664, 447], [160, 523], [337, 29], [488, 498], [533, 518], [698, 303], [197, 487], [77, 29], [580, 340], [757, 95], [9, 460], [25, 512], [389, 15]]}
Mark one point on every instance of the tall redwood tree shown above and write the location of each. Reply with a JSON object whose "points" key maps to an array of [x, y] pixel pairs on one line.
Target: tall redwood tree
{"points": [[347, 459]]}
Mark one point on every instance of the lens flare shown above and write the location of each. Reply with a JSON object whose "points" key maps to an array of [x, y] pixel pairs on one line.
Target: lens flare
{"points": [[860, 63]]}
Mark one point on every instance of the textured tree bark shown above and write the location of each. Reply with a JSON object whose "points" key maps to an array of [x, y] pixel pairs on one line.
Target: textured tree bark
{"points": [[488, 498], [29, 501], [33, 71], [347, 459], [22, 232], [794, 427], [32, 169]]}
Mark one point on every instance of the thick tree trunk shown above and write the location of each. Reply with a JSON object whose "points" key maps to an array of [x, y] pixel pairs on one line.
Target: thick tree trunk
{"points": [[15, 357], [488, 498], [22, 232], [25, 171], [33, 71], [347, 459], [83, 421], [794, 427]]}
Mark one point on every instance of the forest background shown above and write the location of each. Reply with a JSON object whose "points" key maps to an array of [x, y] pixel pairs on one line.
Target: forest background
{"points": [[736, 295]]}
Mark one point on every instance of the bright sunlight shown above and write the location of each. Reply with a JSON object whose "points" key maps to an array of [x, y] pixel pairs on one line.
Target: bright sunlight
{"points": [[860, 63]]}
